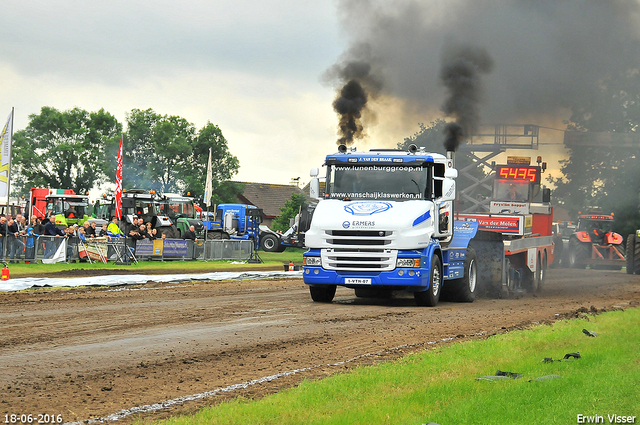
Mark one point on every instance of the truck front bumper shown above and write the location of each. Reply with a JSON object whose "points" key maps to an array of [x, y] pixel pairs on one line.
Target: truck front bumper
{"points": [[402, 278]]}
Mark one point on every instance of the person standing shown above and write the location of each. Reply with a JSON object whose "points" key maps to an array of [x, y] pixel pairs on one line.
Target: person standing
{"points": [[89, 232], [113, 231], [3, 235], [92, 232], [30, 251], [51, 231], [190, 234], [13, 241]]}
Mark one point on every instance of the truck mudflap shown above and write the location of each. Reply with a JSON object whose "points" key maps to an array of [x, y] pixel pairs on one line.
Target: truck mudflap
{"points": [[489, 249]]}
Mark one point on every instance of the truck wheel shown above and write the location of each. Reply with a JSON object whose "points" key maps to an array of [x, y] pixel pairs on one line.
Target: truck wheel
{"points": [[466, 287], [322, 294], [430, 297], [578, 252], [269, 243]]}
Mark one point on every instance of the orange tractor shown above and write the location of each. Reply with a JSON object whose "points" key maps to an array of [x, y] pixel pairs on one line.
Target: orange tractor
{"points": [[594, 243]]}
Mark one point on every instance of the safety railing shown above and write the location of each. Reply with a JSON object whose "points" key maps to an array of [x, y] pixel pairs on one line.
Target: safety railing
{"points": [[51, 249]]}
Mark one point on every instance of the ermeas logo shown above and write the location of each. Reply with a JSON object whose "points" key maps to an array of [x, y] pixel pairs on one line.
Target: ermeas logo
{"points": [[367, 208], [345, 224]]}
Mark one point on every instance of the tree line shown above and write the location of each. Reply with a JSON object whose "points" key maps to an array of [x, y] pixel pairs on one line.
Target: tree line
{"points": [[77, 149]]}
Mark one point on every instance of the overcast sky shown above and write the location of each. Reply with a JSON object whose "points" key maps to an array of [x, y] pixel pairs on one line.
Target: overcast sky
{"points": [[258, 69], [251, 67]]}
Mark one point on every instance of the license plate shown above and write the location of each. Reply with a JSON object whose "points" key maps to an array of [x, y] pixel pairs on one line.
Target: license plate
{"points": [[356, 281]]}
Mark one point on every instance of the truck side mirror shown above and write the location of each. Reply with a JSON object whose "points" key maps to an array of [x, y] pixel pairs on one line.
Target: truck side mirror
{"points": [[451, 173], [314, 184], [546, 195], [448, 190]]}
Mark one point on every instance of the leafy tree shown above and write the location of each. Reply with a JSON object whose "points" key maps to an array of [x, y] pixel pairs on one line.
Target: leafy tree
{"points": [[289, 211], [224, 166], [432, 139], [64, 149], [606, 177], [167, 154], [156, 148]]}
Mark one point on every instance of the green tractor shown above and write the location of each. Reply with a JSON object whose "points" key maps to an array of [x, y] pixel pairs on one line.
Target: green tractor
{"points": [[182, 212], [69, 209]]}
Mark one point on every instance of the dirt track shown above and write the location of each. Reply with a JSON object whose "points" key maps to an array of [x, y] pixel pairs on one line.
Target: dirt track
{"points": [[89, 353]]}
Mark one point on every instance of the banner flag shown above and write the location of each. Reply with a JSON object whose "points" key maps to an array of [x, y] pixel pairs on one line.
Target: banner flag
{"points": [[5, 155], [118, 212], [208, 185]]}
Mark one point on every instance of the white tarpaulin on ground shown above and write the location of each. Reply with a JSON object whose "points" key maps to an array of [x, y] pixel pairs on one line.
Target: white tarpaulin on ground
{"points": [[137, 279]]}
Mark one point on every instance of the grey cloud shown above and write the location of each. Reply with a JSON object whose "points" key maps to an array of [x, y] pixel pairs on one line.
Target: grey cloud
{"points": [[547, 53]]}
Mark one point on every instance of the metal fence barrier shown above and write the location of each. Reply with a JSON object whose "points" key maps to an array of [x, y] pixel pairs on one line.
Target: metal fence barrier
{"points": [[49, 249]]}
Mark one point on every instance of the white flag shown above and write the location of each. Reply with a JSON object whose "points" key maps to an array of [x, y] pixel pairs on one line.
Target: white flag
{"points": [[208, 185], [5, 155]]}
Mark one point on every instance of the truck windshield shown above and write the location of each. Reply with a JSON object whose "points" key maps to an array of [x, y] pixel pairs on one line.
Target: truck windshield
{"points": [[387, 182]]}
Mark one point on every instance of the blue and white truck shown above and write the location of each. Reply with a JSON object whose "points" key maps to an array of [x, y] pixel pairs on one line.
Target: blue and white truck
{"points": [[233, 221], [385, 223]]}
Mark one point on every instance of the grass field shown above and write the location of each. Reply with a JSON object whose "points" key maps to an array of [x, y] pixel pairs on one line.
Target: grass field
{"points": [[440, 385], [272, 261]]}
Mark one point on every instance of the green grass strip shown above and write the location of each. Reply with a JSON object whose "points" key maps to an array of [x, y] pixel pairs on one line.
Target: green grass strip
{"points": [[440, 385]]}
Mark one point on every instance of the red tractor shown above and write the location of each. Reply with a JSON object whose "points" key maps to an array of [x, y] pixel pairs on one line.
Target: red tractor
{"points": [[594, 244]]}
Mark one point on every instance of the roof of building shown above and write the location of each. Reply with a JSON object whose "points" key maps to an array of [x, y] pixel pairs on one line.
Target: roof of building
{"points": [[269, 197], [307, 188]]}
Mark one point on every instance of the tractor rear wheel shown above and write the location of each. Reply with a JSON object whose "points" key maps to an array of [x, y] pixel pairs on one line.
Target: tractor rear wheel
{"points": [[578, 252], [636, 256]]}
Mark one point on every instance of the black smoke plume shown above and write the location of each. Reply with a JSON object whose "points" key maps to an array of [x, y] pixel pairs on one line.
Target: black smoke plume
{"points": [[349, 104], [357, 86], [550, 54], [460, 74]]}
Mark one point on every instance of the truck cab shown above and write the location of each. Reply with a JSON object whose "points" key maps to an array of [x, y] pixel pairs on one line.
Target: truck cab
{"points": [[234, 221], [386, 223]]}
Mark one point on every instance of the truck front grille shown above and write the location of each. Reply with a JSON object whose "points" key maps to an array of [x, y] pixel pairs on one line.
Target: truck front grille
{"points": [[358, 238], [359, 259]]}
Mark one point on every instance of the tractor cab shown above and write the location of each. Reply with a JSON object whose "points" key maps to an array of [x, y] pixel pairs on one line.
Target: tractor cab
{"points": [[596, 227], [68, 208]]}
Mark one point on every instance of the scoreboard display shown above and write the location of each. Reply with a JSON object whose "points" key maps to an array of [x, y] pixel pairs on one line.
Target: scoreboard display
{"points": [[519, 173]]}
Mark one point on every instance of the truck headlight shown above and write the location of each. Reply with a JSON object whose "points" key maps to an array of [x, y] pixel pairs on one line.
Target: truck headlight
{"points": [[408, 262], [312, 261]]}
